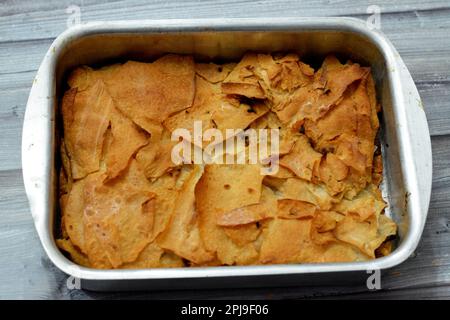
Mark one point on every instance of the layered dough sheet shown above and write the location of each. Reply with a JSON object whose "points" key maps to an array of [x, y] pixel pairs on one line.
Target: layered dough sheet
{"points": [[126, 204]]}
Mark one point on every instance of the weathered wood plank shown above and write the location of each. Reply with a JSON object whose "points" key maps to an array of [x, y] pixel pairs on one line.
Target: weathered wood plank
{"points": [[429, 267], [435, 97], [45, 22], [439, 292], [22, 56], [431, 293], [12, 109], [12, 7]]}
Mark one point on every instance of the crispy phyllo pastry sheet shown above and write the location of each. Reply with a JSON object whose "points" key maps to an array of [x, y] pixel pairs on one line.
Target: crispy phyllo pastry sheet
{"points": [[125, 203]]}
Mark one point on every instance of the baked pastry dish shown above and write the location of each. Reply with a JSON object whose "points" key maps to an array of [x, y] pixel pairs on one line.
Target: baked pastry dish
{"points": [[126, 204]]}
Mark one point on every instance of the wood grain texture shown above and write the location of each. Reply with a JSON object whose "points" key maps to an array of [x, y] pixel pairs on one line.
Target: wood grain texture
{"points": [[418, 29]]}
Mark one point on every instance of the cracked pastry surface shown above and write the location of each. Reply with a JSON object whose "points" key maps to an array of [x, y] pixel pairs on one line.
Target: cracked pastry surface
{"points": [[125, 204]]}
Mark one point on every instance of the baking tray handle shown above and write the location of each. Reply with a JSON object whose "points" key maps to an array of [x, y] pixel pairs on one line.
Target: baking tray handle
{"points": [[37, 148], [419, 137]]}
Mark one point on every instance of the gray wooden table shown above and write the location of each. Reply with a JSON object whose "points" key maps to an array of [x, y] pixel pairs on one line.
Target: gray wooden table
{"points": [[419, 29]]}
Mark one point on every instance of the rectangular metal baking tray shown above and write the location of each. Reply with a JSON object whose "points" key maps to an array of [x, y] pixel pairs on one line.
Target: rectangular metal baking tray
{"points": [[404, 134]]}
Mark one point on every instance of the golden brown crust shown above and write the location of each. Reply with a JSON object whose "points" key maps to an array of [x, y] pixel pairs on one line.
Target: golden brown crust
{"points": [[182, 234], [302, 158], [153, 91], [212, 72], [224, 188], [125, 140], [86, 117], [125, 204]]}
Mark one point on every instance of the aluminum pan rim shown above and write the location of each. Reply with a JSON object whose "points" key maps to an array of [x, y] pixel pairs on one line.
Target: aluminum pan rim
{"points": [[271, 24]]}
